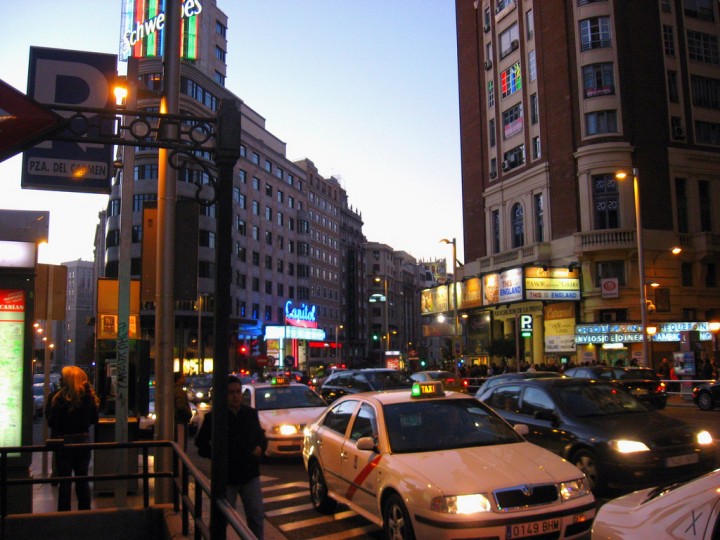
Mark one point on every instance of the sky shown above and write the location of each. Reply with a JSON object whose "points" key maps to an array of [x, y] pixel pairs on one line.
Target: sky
{"points": [[366, 89]]}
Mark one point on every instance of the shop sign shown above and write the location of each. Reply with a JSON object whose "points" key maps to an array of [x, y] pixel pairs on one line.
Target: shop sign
{"points": [[303, 316], [552, 283]]}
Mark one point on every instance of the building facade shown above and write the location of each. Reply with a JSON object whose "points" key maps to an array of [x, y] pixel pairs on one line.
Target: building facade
{"points": [[555, 99]]}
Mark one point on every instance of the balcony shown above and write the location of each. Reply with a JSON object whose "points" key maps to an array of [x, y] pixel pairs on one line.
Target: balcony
{"points": [[604, 240], [516, 257]]}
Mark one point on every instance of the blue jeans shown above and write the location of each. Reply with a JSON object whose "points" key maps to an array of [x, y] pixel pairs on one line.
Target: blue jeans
{"points": [[251, 496]]}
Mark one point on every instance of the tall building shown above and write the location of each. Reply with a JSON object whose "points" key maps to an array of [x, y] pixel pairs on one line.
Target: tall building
{"points": [[555, 99], [75, 341]]}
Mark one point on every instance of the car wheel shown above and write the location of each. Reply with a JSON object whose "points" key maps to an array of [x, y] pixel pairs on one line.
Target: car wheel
{"points": [[319, 492], [586, 461], [396, 520], [705, 401]]}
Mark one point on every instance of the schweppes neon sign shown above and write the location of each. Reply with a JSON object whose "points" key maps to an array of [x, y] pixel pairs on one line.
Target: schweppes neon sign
{"points": [[142, 28]]}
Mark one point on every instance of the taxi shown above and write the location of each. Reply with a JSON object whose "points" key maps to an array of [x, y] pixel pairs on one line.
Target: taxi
{"points": [[284, 408], [426, 463]]}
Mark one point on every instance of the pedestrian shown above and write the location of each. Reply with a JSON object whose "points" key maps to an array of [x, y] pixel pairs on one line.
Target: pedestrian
{"points": [[664, 369], [183, 414], [246, 445], [73, 410]]}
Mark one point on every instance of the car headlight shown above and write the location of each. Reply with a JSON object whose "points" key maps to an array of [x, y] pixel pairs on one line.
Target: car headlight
{"points": [[287, 429], [152, 416], [625, 446], [461, 504], [574, 489], [704, 438]]}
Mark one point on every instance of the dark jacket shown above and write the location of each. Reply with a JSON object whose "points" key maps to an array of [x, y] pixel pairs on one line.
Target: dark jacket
{"points": [[64, 419], [244, 434]]}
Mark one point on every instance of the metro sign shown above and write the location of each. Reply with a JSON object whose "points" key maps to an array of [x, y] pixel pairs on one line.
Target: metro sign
{"points": [[23, 122]]}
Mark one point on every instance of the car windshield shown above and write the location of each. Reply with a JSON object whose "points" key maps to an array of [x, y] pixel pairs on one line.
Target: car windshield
{"points": [[385, 380], [597, 400], [286, 397], [431, 425]]}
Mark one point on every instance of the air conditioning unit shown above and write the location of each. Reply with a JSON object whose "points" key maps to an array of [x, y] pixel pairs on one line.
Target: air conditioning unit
{"points": [[493, 174], [506, 165], [678, 133], [514, 44], [486, 28], [488, 64]]}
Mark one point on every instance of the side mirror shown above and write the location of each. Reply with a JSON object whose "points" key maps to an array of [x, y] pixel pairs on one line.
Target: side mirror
{"points": [[366, 443], [521, 429]]}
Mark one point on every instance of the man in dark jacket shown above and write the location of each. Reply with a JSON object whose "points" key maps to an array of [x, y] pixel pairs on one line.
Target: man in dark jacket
{"points": [[246, 445]]}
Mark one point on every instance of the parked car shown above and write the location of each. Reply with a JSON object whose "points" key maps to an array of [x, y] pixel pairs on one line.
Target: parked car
{"points": [[642, 382], [423, 463], [448, 378], [353, 381], [676, 510], [613, 438], [707, 395], [502, 377]]}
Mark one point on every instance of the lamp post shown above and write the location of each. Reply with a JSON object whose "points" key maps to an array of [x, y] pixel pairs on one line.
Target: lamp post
{"points": [[386, 335], [714, 328], [454, 296], [337, 354], [641, 260]]}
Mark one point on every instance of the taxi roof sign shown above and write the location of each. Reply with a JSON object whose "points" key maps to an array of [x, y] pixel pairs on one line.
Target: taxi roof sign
{"points": [[427, 389], [278, 381]]}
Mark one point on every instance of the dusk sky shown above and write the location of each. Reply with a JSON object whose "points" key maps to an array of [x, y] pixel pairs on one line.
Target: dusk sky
{"points": [[367, 90]]}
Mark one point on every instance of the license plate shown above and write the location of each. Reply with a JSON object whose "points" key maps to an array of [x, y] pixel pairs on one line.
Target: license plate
{"points": [[639, 392], [677, 461], [533, 528]]}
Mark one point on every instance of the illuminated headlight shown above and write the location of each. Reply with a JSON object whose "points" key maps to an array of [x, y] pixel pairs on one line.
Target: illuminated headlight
{"points": [[461, 504], [628, 447], [574, 489], [198, 394], [287, 429], [704, 438], [152, 416]]}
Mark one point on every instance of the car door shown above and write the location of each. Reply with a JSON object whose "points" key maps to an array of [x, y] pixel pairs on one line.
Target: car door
{"points": [[539, 412], [359, 467], [329, 442]]}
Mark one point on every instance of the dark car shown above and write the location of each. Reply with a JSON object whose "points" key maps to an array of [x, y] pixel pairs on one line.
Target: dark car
{"points": [[513, 376], [353, 381], [707, 395], [199, 389], [613, 438], [643, 383], [448, 378]]}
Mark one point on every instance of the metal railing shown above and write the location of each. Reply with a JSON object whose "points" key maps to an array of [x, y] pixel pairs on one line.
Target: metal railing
{"points": [[183, 503]]}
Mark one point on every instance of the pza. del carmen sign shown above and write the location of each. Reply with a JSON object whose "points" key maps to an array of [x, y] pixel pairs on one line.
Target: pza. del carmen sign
{"points": [[303, 316]]}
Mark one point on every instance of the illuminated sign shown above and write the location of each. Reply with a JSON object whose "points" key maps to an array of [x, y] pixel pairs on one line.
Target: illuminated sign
{"points": [[511, 286], [12, 338], [632, 333], [542, 283], [142, 26], [304, 316], [17, 254]]}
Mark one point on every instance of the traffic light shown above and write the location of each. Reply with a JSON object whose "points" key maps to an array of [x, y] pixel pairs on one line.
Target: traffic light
{"points": [[243, 349], [375, 337]]}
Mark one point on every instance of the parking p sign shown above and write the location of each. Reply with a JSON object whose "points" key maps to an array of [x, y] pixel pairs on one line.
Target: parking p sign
{"points": [[526, 325]]}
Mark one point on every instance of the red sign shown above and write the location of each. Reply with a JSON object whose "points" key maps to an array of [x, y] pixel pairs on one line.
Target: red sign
{"points": [[23, 121]]}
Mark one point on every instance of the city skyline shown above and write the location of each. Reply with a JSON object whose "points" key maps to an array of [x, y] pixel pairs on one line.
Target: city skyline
{"points": [[370, 99]]}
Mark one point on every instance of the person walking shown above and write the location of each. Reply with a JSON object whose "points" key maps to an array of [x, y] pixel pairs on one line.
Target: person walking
{"points": [[73, 410], [246, 445], [183, 414]]}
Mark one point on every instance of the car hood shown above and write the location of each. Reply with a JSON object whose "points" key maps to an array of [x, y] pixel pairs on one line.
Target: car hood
{"points": [[300, 415], [650, 426], [492, 467]]}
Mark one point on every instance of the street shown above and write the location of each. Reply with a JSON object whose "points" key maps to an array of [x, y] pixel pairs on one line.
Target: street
{"points": [[287, 503]]}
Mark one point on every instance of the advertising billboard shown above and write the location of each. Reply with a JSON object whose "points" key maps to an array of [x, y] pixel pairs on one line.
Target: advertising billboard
{"points": [[12, 339]]}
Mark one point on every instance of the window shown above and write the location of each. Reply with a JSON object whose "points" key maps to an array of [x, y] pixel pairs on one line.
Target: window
{"points": [[280, 196], [255, 233], [665, 6], [280, 290], [268, 313], [705, 206], [220, 54], [514, 157], [145, 172], [268, 238], [608, 270], [255, 258], [536, 147], [280, 218], [491, 132], [268, 286], [256, 208], [532, 65], [595, 33], [597, 123], [496, 231], [686, 271], [220, 29], [338, 418], [705, 92], [511, 80], [702, 47], [539, 205], [518, 226], [529, 24], [256, 158], [512, 121], [710, 275], [239, 198], [491, 93], [668, 40], [240, 252], [241, 226], [256, 284], [206, 269], [534, 109], [240, 280], [605, 201], [219, 78], [268, 189], [256, 183], [681, 200], [255, 311], [268, 165], [699, 9], [707, 133], [598, 80], [207, 239], [509, 40], [268, 213], [672, 83]]}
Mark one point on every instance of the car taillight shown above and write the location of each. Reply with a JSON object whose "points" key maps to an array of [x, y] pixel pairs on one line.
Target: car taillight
{"points": [[661, 387], [465, 383]]}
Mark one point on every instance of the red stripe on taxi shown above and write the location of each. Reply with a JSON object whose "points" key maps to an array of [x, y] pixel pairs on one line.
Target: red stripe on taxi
{"points": [[360, 478]]}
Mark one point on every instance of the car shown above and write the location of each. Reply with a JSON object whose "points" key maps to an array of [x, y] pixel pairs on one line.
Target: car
{"points": [[427, 463], [675, 510], [199, 389], [285, 407], [617, 441], [707, 395], [642, 382], [38, 391], [146, 422], [513, 375], [449, 379], [352, 381], [198, 411]]}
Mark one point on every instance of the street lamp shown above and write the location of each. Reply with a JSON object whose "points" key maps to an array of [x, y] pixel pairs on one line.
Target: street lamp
{"points": [[621, 175], [337, 352], [386, 335], [454, 295]]}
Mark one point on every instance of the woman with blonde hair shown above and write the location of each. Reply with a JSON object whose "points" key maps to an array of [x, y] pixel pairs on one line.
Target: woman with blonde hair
{"points": [[73, 409]]}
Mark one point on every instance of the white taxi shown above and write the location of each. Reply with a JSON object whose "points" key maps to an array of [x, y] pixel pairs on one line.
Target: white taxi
{"points": [[680, 510], [284, 408], [424, 463]]}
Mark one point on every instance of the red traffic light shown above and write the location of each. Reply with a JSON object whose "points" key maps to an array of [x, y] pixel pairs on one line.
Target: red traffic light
{"points": [[243, 349]]}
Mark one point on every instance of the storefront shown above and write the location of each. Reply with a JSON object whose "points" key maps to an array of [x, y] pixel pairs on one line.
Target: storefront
{"points": [[287, 345]]}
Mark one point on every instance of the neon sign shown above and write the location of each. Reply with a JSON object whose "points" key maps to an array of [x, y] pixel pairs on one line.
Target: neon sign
{"points": [[142, 28], [303, 316]]}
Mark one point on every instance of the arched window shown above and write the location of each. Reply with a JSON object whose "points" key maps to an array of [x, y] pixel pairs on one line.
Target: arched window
{"points": [[518, 226]]}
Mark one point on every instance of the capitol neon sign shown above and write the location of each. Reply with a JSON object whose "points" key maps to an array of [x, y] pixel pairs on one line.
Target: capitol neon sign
{"points": [[300, 316]]}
